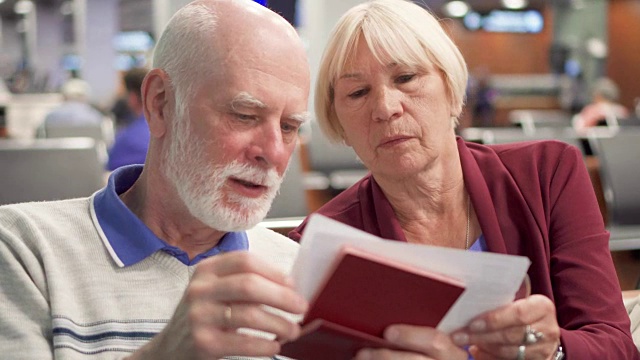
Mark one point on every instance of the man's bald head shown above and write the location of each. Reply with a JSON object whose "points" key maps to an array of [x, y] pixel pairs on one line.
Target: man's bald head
{"points": [[246, 15], [201, 36]]}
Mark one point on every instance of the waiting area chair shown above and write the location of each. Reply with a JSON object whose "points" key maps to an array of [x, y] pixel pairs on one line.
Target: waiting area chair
{"points": [[338, 164], [291, 201], [100, 132], [619, 161], [49, 169], [530, 120], [25, 112], [503, 135]]}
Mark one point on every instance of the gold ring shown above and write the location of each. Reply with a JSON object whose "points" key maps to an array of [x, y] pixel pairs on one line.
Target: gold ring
{"points": [[227, 316]]}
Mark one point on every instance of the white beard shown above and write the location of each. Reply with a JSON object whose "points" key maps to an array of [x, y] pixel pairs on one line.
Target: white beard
{"points": [[201, 186]]}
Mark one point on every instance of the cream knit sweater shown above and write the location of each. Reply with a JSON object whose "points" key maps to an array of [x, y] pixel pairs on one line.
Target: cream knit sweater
{"points": [[62, 296]]}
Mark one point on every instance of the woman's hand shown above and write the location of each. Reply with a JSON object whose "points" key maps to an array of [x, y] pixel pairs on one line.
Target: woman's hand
{"points": [[499, 334], [420, 343]]}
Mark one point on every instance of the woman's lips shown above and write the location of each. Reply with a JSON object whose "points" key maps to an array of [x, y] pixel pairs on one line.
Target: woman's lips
{"points": [[393, 140]]}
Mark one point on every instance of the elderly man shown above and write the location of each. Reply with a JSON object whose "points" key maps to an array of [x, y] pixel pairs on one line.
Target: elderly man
{"points": [[115, 275]]}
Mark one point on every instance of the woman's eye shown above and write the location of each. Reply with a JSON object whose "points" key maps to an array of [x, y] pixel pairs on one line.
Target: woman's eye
{"points": [[358, 93], [405, 78]]}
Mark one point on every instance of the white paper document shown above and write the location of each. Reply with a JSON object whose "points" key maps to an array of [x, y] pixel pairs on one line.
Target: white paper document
{"points": [[491, 280]]}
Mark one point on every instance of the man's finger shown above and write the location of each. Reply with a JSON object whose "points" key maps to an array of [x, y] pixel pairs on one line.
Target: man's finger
{"points": [[242, 262]]}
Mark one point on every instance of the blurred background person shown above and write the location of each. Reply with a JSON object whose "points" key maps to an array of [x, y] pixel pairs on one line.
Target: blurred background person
{"points": [[122, 114], [120, 109], [604, 108], [481, 97], [132, 141], [5, 97], [75, 110]]}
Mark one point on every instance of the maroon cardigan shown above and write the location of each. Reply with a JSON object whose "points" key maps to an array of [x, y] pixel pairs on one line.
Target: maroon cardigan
{"points": [[533, 199]]}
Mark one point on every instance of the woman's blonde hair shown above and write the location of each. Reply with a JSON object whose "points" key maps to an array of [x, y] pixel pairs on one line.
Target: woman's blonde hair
{"points": [[396, 31]]}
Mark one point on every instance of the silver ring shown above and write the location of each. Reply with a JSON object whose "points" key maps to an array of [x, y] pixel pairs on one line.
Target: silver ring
{"points": [[531, 336], [521, 350], [227, 316]]}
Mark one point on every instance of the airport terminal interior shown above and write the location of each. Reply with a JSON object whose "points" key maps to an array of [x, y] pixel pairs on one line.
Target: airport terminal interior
{"points": [[533, 67]]}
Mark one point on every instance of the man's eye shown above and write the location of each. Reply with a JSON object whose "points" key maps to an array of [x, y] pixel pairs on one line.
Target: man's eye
{"points": [[289, 128], [358, 93], [405, 78], [245, 117]]}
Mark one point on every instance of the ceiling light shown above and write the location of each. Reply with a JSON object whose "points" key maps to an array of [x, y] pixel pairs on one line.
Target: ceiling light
{"points": [[596, 48], [515, 4], [23, 7], [456, 8]]}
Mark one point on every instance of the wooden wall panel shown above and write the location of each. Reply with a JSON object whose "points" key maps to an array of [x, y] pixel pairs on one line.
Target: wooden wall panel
{"points": [[505, 53], [623, 64]]}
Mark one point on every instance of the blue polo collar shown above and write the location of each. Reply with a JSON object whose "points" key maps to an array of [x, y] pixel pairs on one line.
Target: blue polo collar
{"points": [[128, 239]]}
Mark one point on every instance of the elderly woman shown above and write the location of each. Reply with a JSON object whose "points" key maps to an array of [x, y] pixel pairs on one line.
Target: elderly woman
{"points": [[391, 85]]}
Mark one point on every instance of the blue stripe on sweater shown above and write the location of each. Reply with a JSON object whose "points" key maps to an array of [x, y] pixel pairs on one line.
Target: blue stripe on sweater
{"points": [[105, 335]]}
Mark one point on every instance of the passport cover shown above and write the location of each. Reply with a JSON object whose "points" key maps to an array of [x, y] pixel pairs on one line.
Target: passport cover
{"points": [[322, 340], [361, 296]]}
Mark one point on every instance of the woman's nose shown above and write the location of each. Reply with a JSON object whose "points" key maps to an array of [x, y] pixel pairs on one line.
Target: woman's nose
{"points": [[387, 104]]}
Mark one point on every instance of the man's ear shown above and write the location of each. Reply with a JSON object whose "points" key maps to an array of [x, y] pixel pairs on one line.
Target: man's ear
{"points": [[156, 94]]}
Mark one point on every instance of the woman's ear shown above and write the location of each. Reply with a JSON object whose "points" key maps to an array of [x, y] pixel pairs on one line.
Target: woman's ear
{"points": [[156, 93], [345, 139], [456, 110]]}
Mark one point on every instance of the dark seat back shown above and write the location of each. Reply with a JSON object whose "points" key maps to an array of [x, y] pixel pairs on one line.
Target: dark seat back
{"points": [[50, 169], [292, 200], [619, 158]]}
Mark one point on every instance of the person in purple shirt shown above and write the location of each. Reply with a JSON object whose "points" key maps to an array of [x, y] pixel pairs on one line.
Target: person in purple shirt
{"points": [[391, 85], [132, 142]]}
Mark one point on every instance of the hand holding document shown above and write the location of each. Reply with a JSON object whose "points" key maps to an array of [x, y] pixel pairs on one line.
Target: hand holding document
{"points": [[357, 284]]}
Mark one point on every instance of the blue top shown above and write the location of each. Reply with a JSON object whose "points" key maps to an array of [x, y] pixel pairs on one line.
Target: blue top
{"points": [[479, 245], [129, 239], [130, 145]]}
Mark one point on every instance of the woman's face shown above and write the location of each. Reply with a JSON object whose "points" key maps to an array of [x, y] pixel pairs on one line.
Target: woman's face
{"points": [[396, 118]]}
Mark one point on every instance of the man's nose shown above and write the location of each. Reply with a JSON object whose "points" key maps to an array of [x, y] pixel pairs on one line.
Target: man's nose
{"points": [[268, 148]]}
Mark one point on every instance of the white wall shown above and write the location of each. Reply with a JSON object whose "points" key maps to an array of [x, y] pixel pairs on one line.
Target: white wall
{"points": [[317, 19], [162, 12], [97, 26], [49, 45], [9, 48]]}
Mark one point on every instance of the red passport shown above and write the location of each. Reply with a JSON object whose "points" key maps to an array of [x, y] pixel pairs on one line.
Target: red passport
{"points": [[361, 296]]}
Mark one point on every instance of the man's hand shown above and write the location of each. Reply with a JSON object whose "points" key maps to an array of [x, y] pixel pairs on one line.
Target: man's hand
{"points": [[226, 293]]}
